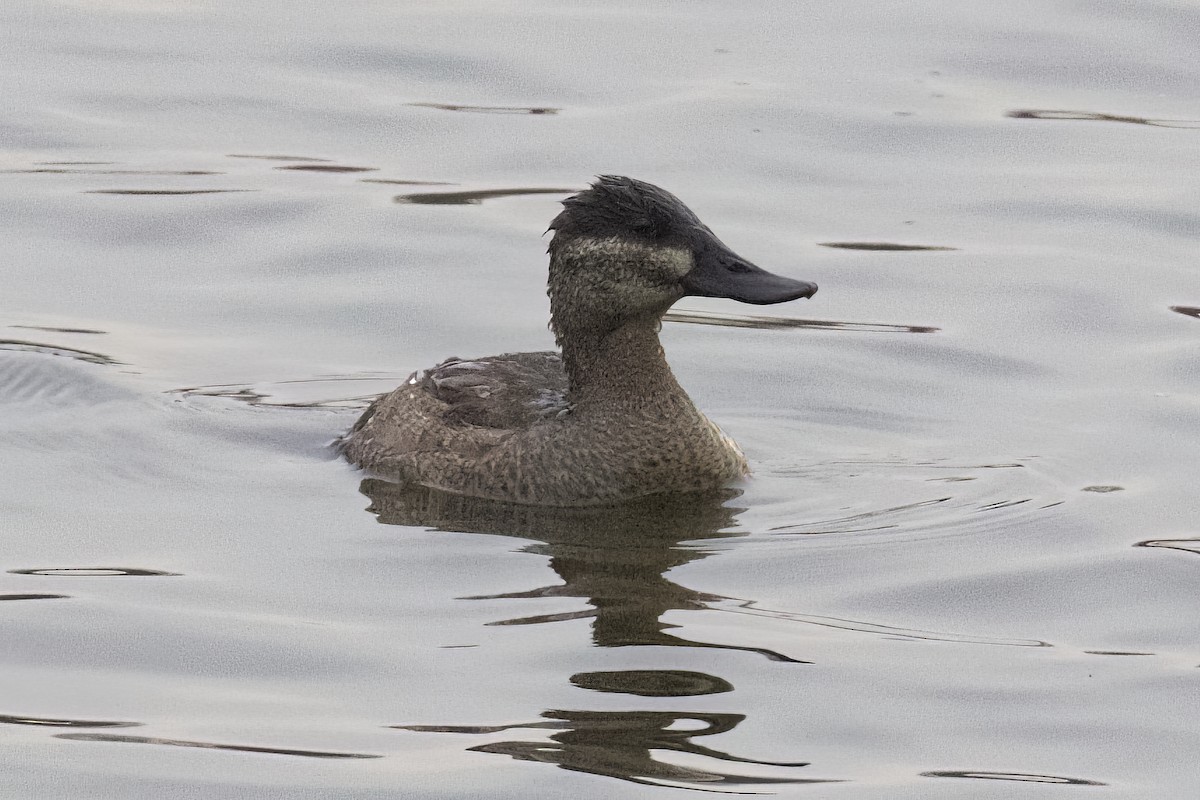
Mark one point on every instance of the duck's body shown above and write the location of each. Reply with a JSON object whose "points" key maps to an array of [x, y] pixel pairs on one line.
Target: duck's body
{"points": [[605, 421], [503, 427]]}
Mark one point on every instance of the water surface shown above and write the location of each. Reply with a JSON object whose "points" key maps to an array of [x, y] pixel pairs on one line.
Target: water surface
{"points": [[966, 563]]}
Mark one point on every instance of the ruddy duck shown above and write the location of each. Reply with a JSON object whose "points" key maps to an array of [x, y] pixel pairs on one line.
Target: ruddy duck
{"points": [[605, 420]]}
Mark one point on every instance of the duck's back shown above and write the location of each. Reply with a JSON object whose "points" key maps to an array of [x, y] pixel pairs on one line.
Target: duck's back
{"points": [[461, 406]]}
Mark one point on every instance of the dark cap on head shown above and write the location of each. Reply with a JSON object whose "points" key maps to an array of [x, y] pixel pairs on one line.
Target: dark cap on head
{"points": [[626, 208]]}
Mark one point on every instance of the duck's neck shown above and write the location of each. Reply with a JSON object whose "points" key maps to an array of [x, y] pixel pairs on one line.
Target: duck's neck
{"points": [[622, 366]]}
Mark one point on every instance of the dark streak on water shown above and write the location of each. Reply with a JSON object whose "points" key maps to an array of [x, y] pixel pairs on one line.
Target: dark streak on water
{"points": [[48, 722], [883, 246], [95, 572], [32, 597], [1091, 116], [1022, 777], [405, 183], [1185, 545], [57, 350], [165, 191], [110, 172], [327, 168], [536, 110], [471, 197], [1191, 311], [108, 737], [57, 330]]}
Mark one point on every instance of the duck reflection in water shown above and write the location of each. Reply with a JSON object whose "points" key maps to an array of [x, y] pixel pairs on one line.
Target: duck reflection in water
{"points": [[615, 558], [619, 744]]}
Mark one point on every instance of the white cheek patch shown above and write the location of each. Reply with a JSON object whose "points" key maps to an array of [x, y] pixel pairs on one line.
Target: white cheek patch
{"points": [[651, 263], [616, 276], [677, 261]]}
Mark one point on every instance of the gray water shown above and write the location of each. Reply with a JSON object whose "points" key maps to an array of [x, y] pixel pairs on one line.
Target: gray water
{"points": [[966, 564]]}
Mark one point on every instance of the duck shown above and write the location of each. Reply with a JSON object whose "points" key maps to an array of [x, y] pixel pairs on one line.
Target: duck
{"points": [[603, 419]]}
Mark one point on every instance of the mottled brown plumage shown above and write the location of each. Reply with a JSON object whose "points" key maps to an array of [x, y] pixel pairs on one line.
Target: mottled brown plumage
{"points": [[605, 421]]}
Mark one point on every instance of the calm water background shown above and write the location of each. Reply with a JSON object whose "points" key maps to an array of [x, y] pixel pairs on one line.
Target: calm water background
{"points": [[968, 562]]}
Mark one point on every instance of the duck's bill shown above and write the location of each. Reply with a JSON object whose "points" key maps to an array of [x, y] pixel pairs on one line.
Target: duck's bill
{"points": [[719, 272]]}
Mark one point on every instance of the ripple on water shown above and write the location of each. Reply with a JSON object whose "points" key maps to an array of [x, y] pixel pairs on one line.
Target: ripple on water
{"points": [[334, 391], [41, 384], [51, 329], [1093, 116], [95, 572], [1022, 777], [91, 357], [473, 197], [165, 192], [400, 182], [767, 323], [751, 608], [944, 498], [885, 246], [65, 171], [49, 722], [1186, 545], [241, 748], [534, 110], [309, 167]]}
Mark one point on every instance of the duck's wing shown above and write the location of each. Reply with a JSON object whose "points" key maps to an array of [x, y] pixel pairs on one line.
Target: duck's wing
{"points": [[462, 407], [507, 392]]}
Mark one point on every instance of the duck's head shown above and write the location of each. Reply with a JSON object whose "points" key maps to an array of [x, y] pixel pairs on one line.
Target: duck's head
{"points": [[624, 248]]}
